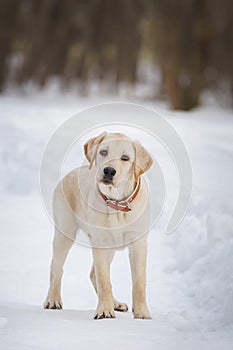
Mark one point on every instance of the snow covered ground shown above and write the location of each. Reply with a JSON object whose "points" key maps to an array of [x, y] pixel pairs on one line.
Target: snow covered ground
{"points": [[190, 279]]}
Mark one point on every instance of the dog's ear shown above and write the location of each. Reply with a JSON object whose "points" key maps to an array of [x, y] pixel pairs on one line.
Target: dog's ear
{"points": [[91, 146], [143, 160]]}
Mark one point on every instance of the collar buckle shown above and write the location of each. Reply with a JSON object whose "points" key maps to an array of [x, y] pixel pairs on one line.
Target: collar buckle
{"points": [[124, 204]]}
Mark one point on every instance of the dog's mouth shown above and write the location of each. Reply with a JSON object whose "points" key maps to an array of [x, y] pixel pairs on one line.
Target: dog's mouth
{"points": [[107, 181]]}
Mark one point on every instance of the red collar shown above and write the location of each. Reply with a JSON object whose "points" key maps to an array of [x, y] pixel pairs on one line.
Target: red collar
{"points": [[124, 204]]}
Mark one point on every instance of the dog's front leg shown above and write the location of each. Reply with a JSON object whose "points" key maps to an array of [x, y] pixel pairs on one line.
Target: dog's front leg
{"points": [[102, 260], [138, 255], [61, 247]]}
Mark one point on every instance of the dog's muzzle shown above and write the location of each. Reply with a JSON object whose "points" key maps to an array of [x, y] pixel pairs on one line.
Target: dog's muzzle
{"points": [[109, 173]]}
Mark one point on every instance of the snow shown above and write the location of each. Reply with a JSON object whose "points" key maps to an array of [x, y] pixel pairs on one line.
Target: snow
{"points": [[190, 280]]}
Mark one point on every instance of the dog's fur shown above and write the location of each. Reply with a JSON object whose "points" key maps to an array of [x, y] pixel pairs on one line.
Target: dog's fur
{"points": [[77, 204]]}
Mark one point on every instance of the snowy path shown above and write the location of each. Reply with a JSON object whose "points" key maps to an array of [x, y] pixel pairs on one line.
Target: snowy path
{"points": [[190, 277], [30, 327]]}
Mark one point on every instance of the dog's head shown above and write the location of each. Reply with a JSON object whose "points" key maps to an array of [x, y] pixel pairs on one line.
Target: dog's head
{"points": [[119, 162]]}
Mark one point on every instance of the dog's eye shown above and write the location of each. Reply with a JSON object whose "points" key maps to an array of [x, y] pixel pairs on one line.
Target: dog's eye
{"points": [[124, 157], [104, 152]]}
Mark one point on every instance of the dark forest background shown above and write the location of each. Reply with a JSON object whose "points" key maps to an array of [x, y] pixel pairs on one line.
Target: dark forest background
{"points": [[81, 40]]}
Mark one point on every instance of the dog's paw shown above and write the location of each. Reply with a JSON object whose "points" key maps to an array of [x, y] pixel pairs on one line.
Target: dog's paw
{"points": [[104, 311], [141, 312], [118, 306], [53, 303]]}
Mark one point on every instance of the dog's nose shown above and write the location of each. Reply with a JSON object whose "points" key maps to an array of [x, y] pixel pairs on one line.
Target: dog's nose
{"points": [[109, 172]]}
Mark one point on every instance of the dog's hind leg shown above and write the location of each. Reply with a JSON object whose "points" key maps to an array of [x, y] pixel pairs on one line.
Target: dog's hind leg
{"points": [[118, 306], [61, 247]]}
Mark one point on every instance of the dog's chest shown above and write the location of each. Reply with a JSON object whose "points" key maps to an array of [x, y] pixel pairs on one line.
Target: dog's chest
{"points": [[117, 218]]}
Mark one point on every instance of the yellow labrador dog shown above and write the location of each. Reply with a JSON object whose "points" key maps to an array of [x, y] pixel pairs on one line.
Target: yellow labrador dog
{"points": [[108, 200]]}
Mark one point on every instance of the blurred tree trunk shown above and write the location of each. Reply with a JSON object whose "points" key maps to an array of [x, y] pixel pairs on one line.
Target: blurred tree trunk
{"points": [[128, 40], [221, 48], [114, 37], [49, 31], [181, 49], [8, 29]]}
